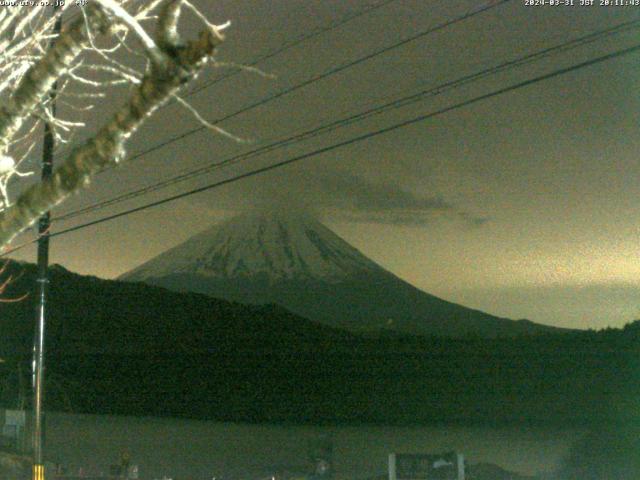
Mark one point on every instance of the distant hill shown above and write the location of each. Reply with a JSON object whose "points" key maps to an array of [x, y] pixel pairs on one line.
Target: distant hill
{"points": [[89, 315], [294, 261], [130, 348]]}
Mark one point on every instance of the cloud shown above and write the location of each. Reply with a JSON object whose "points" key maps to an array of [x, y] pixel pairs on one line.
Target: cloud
{"points": [[346, 196], [357, 199]]}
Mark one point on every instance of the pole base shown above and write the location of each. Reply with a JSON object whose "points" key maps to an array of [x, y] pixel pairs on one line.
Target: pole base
{"points": [[38, 472]]}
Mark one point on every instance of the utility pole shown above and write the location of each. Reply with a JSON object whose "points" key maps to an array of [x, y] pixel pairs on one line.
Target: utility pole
{"points": [[48, 146]]}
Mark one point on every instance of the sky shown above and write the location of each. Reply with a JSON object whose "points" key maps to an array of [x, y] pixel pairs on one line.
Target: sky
{"points": [[523, 205]]}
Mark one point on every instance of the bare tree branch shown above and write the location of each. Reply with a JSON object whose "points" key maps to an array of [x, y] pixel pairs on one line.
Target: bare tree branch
{"points": [[39, 79], [178, 64]]}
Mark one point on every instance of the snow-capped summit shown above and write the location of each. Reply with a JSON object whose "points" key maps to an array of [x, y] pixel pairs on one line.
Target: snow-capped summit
{"points": [[271, 245], [293, 260]]}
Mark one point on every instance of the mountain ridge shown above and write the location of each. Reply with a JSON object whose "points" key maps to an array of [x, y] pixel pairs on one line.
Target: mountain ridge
{"points": [[295, 261]]}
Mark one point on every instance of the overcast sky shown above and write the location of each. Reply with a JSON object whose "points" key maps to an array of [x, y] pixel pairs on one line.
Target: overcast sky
{"points": [[524, 205]]}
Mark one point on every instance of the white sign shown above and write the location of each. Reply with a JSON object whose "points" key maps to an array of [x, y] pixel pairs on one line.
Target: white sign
{"points": [[14, 417]]}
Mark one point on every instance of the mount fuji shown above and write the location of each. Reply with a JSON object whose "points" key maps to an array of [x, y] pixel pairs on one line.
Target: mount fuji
{"points": [[295, 261]]}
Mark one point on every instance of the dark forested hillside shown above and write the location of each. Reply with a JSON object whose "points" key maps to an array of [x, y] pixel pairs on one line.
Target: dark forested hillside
{"points": [[126, 348]]}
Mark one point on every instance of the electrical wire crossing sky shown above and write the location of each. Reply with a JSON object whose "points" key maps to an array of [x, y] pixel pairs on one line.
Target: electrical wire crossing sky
{"points": [[484, 152]]}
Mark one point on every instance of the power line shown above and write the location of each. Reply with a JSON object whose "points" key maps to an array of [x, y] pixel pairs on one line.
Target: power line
{"points": [[353, 140], [322, 76], [282, 48], [424, 33], [398, 103], [295, 42]]}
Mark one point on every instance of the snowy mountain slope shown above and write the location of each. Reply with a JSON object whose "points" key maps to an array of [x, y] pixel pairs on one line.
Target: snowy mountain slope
{"points": [[296, 262], [264, 244]]}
